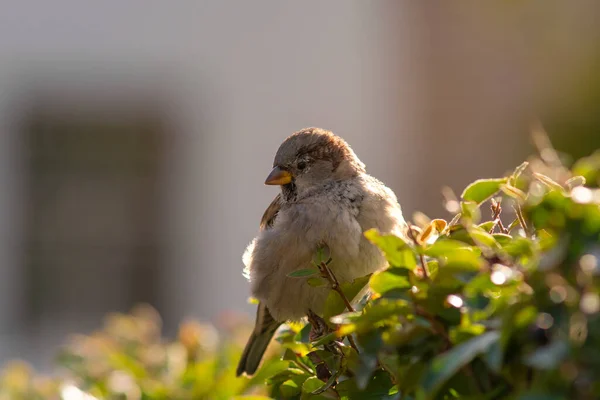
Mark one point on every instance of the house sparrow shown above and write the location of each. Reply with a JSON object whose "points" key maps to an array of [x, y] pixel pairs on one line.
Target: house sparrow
{"points": [[326, 198]]}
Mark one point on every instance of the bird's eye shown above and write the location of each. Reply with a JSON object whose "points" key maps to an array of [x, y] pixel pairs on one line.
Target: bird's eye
{"points": [[301, 165]]}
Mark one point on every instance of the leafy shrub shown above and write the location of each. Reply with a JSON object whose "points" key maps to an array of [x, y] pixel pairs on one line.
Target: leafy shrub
{"points": [[471, 308], [128, 359]]}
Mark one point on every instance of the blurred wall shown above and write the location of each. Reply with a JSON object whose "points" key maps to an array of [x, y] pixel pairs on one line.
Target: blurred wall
{"points": [[487, 72]]}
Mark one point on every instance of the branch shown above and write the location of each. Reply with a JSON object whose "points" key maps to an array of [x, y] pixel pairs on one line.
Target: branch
{"points": [[335, 284], [496, 211], [521, 218], [421, 257]]}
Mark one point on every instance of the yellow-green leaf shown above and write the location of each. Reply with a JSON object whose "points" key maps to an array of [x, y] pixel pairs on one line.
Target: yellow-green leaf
{"points": [[397, 252], [392, 278], [303, 273], [482, 189]]}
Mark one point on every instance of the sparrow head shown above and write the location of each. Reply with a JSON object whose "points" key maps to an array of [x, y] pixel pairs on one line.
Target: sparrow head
{"points": [[311, 157]]}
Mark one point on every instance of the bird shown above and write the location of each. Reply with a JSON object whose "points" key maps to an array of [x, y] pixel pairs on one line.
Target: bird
{"points": [[326, 199]]}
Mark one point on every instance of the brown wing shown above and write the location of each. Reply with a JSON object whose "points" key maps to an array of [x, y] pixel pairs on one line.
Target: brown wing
{"points": [[264, 329], [265, 325], [271, 212]]}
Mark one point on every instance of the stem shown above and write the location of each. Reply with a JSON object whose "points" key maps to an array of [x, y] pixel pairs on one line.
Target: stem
{"points": [[335, 285], [521, 218], [496, 211], [303, 366], [352, 342], [421, 257]]}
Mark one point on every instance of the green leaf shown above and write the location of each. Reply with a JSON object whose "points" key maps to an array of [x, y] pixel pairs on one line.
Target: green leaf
{"points": [[380, 387], [289, 388], [546, 180], [323, 254], [316, 281], [470, 212], [335, 305], [513, 192], [447, 246], [302, 273], [482, 189], [392, 278], [502, 238], [455, 254], [518, 171], [379, 310], [483, 237], [311, 384], [444, 366], [251, 397], [397, 252], [519, 246], [486, 226], [268, 370]]}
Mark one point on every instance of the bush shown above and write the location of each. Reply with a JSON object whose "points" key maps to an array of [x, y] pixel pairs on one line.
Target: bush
{"points": [[471, 309], [128, 359]]}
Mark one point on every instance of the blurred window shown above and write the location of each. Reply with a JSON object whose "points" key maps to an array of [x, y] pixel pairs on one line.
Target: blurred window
{"points": [[92, 239]]}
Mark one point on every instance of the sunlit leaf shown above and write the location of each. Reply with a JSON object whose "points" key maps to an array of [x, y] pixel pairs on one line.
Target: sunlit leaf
{"points": [[311, 384], [470, 213], [392, 278], [432, 231], [289, 388], [546, 180], [486, 226], [517, 172], [268, 370], [335, 305], [397, 252], [514, 192], [482, 189], [575, 181], [482, 237], [380, 310]]}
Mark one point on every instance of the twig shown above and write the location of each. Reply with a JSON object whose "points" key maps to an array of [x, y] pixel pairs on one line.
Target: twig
{"points": [[421, 257], [335, 285], [303, 366], [521, 218], [352, 342], [496, 211]]}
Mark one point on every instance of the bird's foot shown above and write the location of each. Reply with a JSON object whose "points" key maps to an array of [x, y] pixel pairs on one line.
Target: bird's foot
{"points": [[318, 325]]}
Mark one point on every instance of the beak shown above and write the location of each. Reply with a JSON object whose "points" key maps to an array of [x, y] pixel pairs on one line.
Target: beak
{"points": [[278, 176]]}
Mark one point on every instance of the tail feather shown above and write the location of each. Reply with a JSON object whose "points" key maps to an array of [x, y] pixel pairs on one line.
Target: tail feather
{"points": [[257, 343]]}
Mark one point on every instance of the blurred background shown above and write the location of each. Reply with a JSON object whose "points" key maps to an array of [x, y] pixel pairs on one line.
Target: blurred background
{"points": [[135, 137]]}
